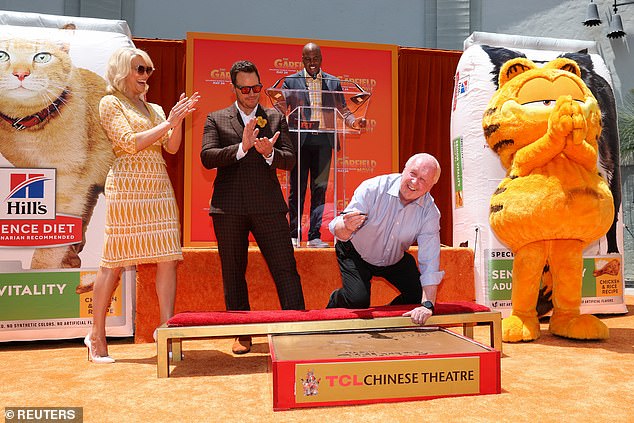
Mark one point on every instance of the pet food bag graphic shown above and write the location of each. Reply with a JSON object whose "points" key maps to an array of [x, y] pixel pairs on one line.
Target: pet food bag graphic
{"points": [[53, 163], [477, 170]]}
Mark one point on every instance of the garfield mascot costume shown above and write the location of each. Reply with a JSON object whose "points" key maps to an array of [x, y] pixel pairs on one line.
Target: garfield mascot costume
{"points": [[544, 124]]}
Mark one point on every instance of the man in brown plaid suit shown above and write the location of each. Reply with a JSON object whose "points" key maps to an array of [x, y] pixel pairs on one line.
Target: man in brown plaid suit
{"points": [[247, 143]]}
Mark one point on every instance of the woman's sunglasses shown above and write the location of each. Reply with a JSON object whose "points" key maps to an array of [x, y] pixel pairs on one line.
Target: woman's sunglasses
{"points": [[246, 89], [144, 69]]}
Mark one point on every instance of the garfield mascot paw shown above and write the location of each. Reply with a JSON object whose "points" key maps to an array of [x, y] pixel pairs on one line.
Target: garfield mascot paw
{"points": [[581, 326], [544, 124], [517, 329]]}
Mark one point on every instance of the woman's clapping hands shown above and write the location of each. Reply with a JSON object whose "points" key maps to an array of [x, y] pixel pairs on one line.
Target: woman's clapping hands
{"points": [[184, 107]]}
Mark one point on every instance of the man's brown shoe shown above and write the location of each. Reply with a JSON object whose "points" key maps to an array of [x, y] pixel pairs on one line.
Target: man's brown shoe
{"points": [[241, 345]]}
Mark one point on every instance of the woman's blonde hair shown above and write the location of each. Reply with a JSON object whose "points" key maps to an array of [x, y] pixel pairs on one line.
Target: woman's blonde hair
{"points": [[120, 65]]}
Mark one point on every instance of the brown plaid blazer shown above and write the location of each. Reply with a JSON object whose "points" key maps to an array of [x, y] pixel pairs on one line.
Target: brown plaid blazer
{"points": [[249, 185]]}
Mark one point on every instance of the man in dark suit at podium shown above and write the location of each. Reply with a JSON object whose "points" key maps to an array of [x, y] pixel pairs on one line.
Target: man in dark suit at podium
{"points": [[316, 144], [247, 196]]}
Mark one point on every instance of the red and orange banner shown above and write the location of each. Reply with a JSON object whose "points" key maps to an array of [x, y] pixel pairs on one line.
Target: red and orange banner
{"points": [[373, 152]]}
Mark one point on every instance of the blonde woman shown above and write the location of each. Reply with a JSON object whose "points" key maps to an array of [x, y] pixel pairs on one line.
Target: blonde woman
{"points": [[142, 223]]}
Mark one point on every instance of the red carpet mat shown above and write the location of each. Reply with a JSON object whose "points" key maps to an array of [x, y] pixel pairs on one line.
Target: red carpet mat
{"points": [[205, 318]]}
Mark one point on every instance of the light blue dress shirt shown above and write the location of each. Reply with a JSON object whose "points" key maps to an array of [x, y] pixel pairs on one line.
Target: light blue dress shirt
{"points": [[391, 228]]}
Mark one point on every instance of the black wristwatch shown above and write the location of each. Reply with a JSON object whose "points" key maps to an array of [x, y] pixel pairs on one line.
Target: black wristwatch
{"points": [[429, 305]]}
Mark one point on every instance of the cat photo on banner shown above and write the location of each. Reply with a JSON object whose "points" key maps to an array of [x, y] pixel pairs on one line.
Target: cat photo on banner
{"points": [[54, 159], [50, 87]]}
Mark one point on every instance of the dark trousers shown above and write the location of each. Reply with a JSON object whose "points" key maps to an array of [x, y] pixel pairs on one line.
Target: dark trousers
{"points": [[270, 232], [356, 274], [314, 158]]}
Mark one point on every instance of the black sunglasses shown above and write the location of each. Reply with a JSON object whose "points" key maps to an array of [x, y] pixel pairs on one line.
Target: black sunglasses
{"points": [[246, 89], [144, 69]]}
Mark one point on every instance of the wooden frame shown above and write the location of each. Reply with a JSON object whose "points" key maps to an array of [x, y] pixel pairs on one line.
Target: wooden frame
{"points": [[174, 335]]}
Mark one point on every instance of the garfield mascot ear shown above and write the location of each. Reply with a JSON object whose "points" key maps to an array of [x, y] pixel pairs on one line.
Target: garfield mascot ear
{"points": [[564, 64], [513, 68]]}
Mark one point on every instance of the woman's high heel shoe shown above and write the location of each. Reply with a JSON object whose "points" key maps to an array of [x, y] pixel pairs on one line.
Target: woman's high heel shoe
{"points": [[96, 358]]}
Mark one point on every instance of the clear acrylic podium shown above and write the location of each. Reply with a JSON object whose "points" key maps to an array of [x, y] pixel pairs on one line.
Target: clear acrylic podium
{"points": [[334, 118]]}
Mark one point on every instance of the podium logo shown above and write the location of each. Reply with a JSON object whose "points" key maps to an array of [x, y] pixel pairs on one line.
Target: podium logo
{"points": [[27, 193]]}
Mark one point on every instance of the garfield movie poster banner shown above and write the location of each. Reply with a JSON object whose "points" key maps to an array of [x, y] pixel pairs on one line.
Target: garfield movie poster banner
{"points": [[362, 68], [477, 170], [54, 157]]}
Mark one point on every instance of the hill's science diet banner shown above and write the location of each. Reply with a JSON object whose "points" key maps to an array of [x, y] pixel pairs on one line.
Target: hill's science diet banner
{"points": [[373, 67], [477, 170], [54, 157]]}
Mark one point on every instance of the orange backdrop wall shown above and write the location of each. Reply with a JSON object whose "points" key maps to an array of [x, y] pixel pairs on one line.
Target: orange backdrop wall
{"points": [[371, 153], [425, 92]]}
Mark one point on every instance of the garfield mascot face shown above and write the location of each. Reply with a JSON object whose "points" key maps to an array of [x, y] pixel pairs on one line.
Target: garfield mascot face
{"points": [[544, 123]]}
